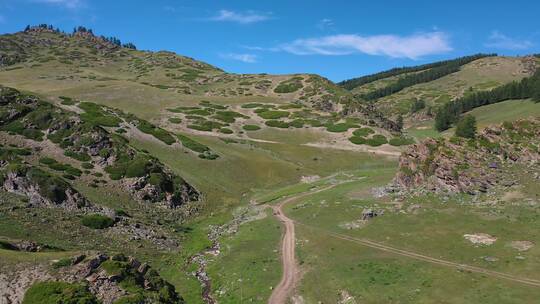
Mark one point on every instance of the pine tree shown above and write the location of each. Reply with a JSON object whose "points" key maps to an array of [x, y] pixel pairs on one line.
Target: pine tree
{"points": [[466, 127], [399, 122]]}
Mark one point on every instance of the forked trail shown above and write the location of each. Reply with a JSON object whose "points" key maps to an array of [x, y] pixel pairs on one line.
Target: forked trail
{"points": [[291, 273]]}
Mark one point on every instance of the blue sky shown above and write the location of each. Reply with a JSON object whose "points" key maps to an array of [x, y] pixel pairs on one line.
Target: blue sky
{"points": [[337, 39]]}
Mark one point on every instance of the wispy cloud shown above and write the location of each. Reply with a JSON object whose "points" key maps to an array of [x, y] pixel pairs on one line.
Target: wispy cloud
{"points": [[325, 23], [169, 8], [71, 4], [413, 46], [240, 17], [247, 58], [500, 41]]}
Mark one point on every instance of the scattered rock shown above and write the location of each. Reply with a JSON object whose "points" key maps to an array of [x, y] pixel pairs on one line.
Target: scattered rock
{"points": [[521, 245], [480, 239]]}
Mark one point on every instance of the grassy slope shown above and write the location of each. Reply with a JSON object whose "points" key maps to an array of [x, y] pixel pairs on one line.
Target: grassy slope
{"points": [[509, 110], [482, 74], [437, 230]]}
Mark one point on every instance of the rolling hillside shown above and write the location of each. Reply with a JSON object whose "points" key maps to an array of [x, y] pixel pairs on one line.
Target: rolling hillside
{"points": [[130, 176]]}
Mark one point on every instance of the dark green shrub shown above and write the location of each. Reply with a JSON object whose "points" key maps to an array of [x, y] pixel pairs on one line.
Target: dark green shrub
{"points": [[159, 133], [95, 114], [251, 105], [226, 131], [68, 101], [80, 156], [175, 120], [201, 112], [363, 132], [358, 140], [192, 144], [274, 114], [97, 221], [376, 140], [401, 141], [340, 127], [62, 263], [277, 124], [228, 116], [87, 166], [251, 127]]}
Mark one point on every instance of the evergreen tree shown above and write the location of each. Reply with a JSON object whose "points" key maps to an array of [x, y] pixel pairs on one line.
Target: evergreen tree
{"points": [[418, 105], [399, 122], [466, 127]]}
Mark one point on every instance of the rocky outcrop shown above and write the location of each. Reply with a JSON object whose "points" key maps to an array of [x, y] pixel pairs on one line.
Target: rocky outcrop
{"points": [[44, 190], [106, 278], [471, 166], [84, 139]]}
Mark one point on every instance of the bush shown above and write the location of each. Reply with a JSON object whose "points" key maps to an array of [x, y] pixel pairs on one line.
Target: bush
{"points": [[80, 156], [67, 101], [251, 127], [228, 116], [96, 114], [251, 105], [97, 221], [274, 114], [340, 127], [358, 140], [58, 293], [175, 120], [376, 140], [201, 112], [87, 166], [401, 141], [289, 86], [277, 124], [62, 263], [192, 144], [363, 132], [226, 131], [159, 133]]}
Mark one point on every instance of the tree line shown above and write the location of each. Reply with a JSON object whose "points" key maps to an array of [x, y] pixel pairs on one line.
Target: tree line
{"points": [[450, 67], [82, 29], [359, 81], [450, 113]]}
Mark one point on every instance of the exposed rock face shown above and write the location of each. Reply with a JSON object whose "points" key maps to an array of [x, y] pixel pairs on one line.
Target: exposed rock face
{"points": [[375, 116], [459, 165]]}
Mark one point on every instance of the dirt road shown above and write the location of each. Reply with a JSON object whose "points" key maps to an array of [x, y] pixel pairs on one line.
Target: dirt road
{"points": [[291, 273], [290, 269]]}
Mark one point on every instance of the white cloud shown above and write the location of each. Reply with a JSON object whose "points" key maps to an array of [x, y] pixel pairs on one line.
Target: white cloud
{"points": [[413, 46], [72, 4], [500, 41], [242, 18], [247, 58]]}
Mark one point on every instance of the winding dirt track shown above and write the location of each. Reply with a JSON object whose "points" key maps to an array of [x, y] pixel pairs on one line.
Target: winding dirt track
{"points": [[291, 272], [290, 269]]}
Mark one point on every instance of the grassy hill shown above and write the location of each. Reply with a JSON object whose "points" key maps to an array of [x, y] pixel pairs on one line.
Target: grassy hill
{"points": [[176, 162], [482, 74]]}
